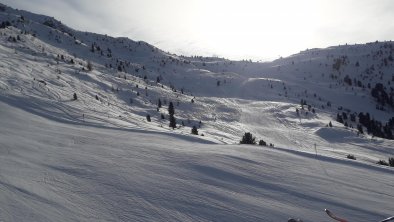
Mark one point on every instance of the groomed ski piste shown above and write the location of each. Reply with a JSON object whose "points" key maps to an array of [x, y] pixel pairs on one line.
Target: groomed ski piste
{"points": [[100, 160]]}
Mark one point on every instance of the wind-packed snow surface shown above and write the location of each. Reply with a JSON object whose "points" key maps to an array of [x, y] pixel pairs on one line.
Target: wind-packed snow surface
{"points": [[97, 158], [52, 171]]}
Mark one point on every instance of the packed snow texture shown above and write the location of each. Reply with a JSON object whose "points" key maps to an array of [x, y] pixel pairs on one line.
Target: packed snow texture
{"points": [[53, 171]]}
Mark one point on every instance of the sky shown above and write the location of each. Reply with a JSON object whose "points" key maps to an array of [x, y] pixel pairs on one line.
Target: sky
{"points": [[235, 29]]}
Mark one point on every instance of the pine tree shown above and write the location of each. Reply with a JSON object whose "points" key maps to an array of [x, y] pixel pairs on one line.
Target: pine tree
{"points": [[339, 118], [194, 130], [248, 139], [171, 110], [360, 129], [391, 161], [89, 66], [262, 143], [172, 122], [75, 96], [159, 103]]}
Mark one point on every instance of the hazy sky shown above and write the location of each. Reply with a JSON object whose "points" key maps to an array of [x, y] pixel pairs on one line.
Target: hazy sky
{"points": [[236, 29]]}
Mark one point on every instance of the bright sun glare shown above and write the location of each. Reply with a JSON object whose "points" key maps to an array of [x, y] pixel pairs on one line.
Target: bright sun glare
{"points": [[250, 28]]}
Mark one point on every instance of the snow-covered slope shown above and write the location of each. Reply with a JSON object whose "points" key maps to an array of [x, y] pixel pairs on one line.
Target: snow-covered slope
{"points": [[53, 171], [98, 158], [45, 62]]}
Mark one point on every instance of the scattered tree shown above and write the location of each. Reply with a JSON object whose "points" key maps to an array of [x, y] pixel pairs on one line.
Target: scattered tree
{"points": [[89, 66], [194, 130], [148, 118], [360, 128], [248, 139], [172, 122], [262, 143], [159, 104], [350, 156], [382, 162], [171, 110], [391, 161]]}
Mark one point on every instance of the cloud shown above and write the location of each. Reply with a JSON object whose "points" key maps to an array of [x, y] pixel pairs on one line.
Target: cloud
{"points": [[257, 28]]}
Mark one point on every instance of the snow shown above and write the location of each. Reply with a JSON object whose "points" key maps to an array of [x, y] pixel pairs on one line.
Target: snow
{"points": [[53, 171], [100, 160]]}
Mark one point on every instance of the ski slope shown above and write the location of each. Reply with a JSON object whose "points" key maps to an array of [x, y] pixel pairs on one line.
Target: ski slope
{"points": [[97, 158], [54, 171]]}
